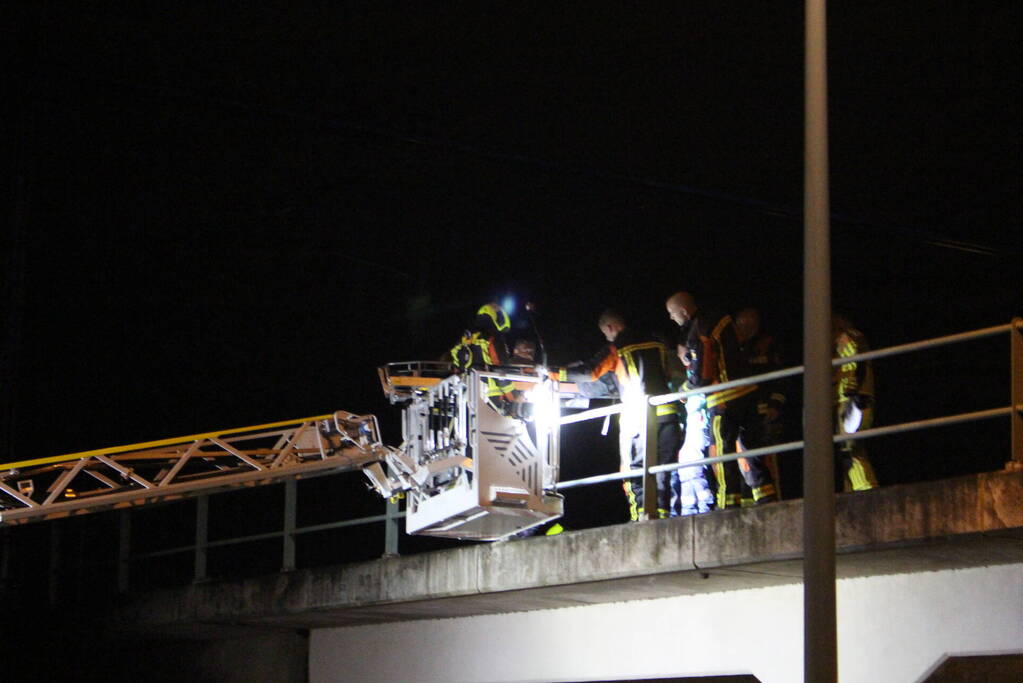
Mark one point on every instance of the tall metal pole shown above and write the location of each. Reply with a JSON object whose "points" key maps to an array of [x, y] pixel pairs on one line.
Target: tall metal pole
{"points": [[820, 642], [1016, 378]]}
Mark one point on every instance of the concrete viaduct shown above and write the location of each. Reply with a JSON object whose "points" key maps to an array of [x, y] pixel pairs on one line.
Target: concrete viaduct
{"points": [[930, 583]]}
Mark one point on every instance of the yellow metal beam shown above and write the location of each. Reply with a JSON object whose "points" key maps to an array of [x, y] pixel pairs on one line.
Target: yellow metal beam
{"points": [[156, 444]]}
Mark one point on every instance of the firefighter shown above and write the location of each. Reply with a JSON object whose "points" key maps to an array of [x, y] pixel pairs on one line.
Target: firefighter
{"points": [[853, 384], [636, 364], [483, 346], [764, 355], [715, 357]]}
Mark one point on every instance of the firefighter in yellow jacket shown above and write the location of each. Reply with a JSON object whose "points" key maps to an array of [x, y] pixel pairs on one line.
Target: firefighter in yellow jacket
{"points": [[637, 366], [717, 358], [853, 384], [483, 346]]}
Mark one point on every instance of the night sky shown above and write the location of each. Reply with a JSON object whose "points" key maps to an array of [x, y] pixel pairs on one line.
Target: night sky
{"points": [[221, 216]]}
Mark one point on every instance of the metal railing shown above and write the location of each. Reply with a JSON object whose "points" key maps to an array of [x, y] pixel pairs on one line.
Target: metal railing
{"points": [[78, 578], [393, 515], [391, 518], [1014, 410]]}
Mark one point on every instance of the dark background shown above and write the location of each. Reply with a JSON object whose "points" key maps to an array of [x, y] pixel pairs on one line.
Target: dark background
{"points": [[226, 215]]}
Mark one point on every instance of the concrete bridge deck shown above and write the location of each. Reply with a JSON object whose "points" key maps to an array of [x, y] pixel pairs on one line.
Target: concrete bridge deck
{"points": [[969, 521]]}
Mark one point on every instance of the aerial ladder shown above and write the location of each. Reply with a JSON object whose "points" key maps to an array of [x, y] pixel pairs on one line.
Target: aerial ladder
{"points": [[466, 469]]}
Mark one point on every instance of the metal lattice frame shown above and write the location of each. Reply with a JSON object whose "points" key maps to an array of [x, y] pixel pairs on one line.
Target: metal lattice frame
{"points": [[170, 469]]}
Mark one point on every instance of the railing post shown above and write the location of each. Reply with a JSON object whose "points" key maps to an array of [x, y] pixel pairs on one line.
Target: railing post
{"points": [[5, 564], [1016, 350], [54, 593], [649, 460], [391, 522], [202, 530], [290, 515], [123, 550]]}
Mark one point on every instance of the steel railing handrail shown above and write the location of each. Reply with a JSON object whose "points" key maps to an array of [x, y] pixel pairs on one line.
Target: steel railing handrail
{"points": [[269, 535], [1015, 324], [604, 411], [783, 373], [731, 384], [835, 362], [796, 445]]}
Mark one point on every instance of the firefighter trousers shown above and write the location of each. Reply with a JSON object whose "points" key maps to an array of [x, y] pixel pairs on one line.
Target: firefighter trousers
{"points": [[633, 447], [851, 462], [737, 421]]}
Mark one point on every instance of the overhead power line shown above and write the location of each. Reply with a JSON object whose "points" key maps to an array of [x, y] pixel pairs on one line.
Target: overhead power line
{"points": [[925, 236]]}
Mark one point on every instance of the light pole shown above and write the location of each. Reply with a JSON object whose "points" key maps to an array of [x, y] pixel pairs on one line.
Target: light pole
{"points": [[820, 643]]}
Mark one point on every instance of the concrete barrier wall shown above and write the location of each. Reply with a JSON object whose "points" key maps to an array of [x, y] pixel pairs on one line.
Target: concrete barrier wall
{"points": [[891, 628]]}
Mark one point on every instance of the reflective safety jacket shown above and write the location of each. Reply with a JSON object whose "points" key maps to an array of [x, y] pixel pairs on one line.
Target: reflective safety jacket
{"points": [[716, 357], [764, 356], [636, 363], [479, 352], [855, 378]]}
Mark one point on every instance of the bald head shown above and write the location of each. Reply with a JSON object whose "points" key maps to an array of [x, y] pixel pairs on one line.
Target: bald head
{"points": [[611, 323], [681, 307]]}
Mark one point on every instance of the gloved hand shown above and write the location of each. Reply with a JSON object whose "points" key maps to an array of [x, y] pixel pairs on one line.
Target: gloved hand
{"points": [[556, 374]]}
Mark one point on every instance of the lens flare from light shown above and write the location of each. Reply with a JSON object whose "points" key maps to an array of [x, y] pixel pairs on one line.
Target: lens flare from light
{"points": [[634, 407], [546, 410], [508, 304]]}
